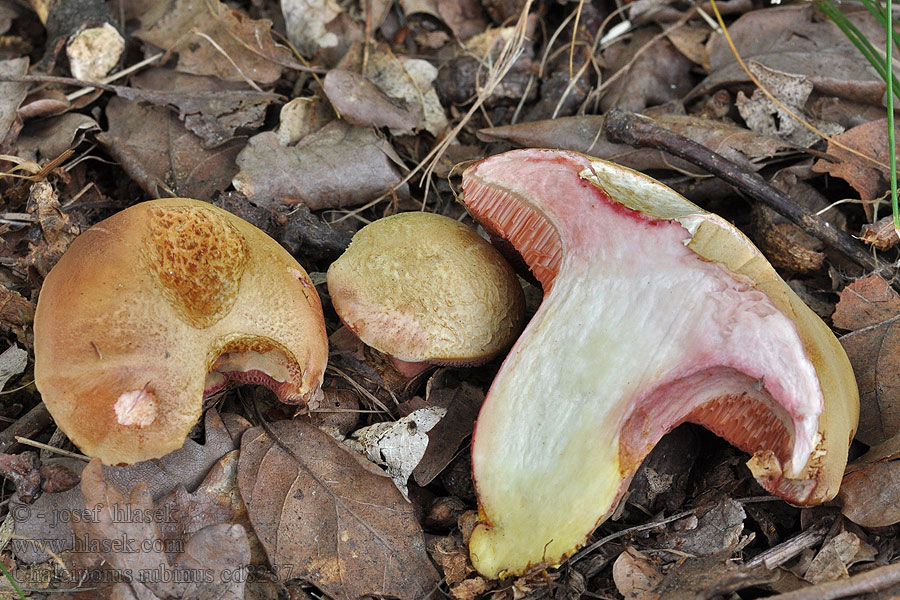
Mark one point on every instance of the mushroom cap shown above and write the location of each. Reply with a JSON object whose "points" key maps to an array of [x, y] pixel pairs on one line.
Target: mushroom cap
{"points": [[423, 287], [142, 306]]}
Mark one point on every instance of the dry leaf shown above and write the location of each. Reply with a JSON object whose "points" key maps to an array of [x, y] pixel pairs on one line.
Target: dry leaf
{"points": [[245, 50], [872, 309], [635, 576], [868, 179], [163, 157], [331, 516], [48, 138], [11, 96], [398, 445], [764, 116], [57, 229], [718, 529], [186, 467], [338, 165], [881, 235], [300, 117], [12, 362], [212, 109], [658, 75], [462, 401], [870, 496], [411, 80], [361, 102], [833, 558], [121, 538], [16, 315], [217, 501], [307, 23], [792, 39], [319, 28]]}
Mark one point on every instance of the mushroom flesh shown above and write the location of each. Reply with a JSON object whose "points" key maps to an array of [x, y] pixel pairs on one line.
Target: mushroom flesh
{"points": [[655, 313]]}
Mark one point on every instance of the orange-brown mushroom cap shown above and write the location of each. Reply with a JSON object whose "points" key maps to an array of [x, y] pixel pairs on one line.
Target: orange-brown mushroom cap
{"points": [[423, 287], [148, 302]]}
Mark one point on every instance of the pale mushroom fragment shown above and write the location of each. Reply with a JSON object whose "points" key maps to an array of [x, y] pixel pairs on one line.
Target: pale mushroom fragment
{"points": [[426, 289], [655, 312], [159, 304]]}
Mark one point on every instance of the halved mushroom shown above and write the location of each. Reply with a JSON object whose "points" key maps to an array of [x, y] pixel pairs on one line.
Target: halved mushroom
{"points": [[425, 289], [655, 313], [158, 304]]}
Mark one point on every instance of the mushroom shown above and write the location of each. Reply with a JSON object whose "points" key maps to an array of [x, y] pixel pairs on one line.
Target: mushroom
{"points": [[655, 313], [158, 304], [426, 289]]}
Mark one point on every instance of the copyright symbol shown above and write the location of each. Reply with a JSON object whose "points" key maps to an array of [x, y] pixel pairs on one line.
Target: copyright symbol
{"points": [[20, 513]]}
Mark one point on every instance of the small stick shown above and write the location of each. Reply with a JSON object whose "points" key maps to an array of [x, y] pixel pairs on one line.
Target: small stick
{"points": [[629, 128], [52, 449], [876, 580], [29, 424], [783, 552]]}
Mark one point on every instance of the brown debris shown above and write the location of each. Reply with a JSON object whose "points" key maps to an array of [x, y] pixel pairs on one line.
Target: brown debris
{"points": [[241, 48], [314, 505], [871, 309]]}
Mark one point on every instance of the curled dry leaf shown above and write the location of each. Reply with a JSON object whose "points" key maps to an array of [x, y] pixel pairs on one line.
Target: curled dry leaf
{"points": [[163, 157], [871, 309], [361, 102], [718, 529], [245, 50], [48, 138], [57, 229], [411, 80], [328, 516], [833, 558], [338, 165], [399, 445], [635, 576], [16, 315], [12, 362], [462, 402], [214, 110], [880, 235], [764, 116], [868, 179]]}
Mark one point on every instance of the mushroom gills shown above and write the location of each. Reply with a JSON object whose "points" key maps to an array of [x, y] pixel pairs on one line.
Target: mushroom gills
{"points": [[637, 333]]}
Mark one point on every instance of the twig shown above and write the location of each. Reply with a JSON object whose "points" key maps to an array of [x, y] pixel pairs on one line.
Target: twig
{"points": [[876, 580], [29, 424], [614, 536], [49, 448], [783, 552], [640, 132]]}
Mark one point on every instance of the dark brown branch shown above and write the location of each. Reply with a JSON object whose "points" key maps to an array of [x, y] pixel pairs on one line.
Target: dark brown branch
{"points": [[629, 128], [29, 424], [876, 580]]}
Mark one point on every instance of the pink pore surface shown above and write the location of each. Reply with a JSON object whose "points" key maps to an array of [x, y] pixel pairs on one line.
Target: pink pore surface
{"points": [[743, 372]]}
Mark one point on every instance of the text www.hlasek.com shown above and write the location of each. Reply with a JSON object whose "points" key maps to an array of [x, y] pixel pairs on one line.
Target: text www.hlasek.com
{"points": [[85, 544]]}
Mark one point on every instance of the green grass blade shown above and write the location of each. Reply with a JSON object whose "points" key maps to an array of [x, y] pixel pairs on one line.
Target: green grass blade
{"points": [[12, 582], [889, 67]]}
